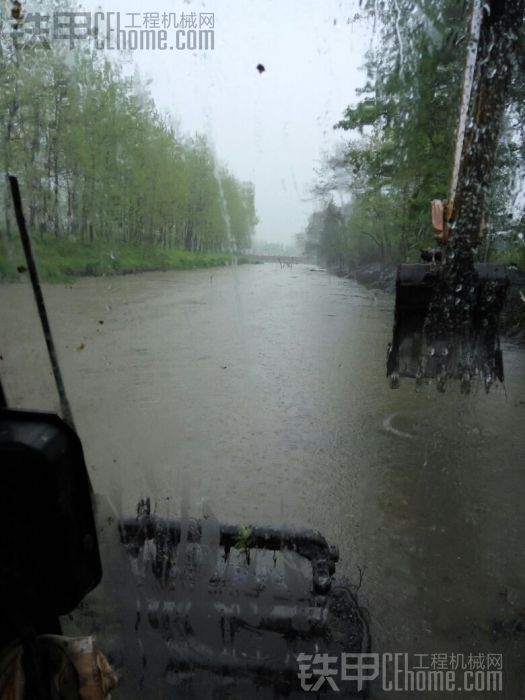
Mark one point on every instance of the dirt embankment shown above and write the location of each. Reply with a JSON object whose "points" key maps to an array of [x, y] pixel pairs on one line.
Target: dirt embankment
{"points": [[373, 275], [513, 318]]}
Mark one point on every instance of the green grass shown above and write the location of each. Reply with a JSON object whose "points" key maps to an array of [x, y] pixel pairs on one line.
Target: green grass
{"points": [[63, 260]]}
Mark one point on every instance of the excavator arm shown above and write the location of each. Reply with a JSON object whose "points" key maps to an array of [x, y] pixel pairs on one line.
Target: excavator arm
{"points": [[447, 310]]}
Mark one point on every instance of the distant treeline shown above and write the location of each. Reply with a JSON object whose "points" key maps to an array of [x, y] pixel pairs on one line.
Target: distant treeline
{"points": [[401, 139], [97, 162]]}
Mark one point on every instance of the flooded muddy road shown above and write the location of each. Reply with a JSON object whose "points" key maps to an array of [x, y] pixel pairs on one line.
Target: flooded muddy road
{"points": [[260, 392]]}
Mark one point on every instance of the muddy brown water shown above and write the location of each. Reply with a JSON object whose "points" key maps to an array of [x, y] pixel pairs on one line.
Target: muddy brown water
{"points": [[260, 393]]}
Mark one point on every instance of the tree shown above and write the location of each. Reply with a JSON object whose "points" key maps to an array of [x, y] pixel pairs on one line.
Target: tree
{"points": [[97, 161]]}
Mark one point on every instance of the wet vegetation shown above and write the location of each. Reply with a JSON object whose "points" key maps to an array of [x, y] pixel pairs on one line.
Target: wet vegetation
{"points": [[63, 260], [399, 151], [109, 183]]}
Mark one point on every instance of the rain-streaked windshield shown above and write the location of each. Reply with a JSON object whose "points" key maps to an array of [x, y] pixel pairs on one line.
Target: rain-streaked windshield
{"points": [[280, 248]]}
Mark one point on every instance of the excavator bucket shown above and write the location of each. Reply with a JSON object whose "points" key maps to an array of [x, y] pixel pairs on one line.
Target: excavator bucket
{"points": [[463, 351], [446, 313]]}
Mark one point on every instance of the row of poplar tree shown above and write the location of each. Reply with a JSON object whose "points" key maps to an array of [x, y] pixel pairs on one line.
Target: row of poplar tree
{"points": [[97, 161]]}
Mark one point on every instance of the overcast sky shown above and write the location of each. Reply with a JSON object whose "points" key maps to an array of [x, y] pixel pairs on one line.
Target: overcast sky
{"points": [[270, 128]]}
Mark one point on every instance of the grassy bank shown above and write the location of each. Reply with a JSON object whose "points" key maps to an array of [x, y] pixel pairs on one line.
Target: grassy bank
{"points": [[60, 260]]}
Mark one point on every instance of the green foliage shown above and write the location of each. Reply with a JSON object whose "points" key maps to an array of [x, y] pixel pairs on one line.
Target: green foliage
{"points": [[402, 135], [244, 540], [97, 163], [62, 260], [240, 206]]}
